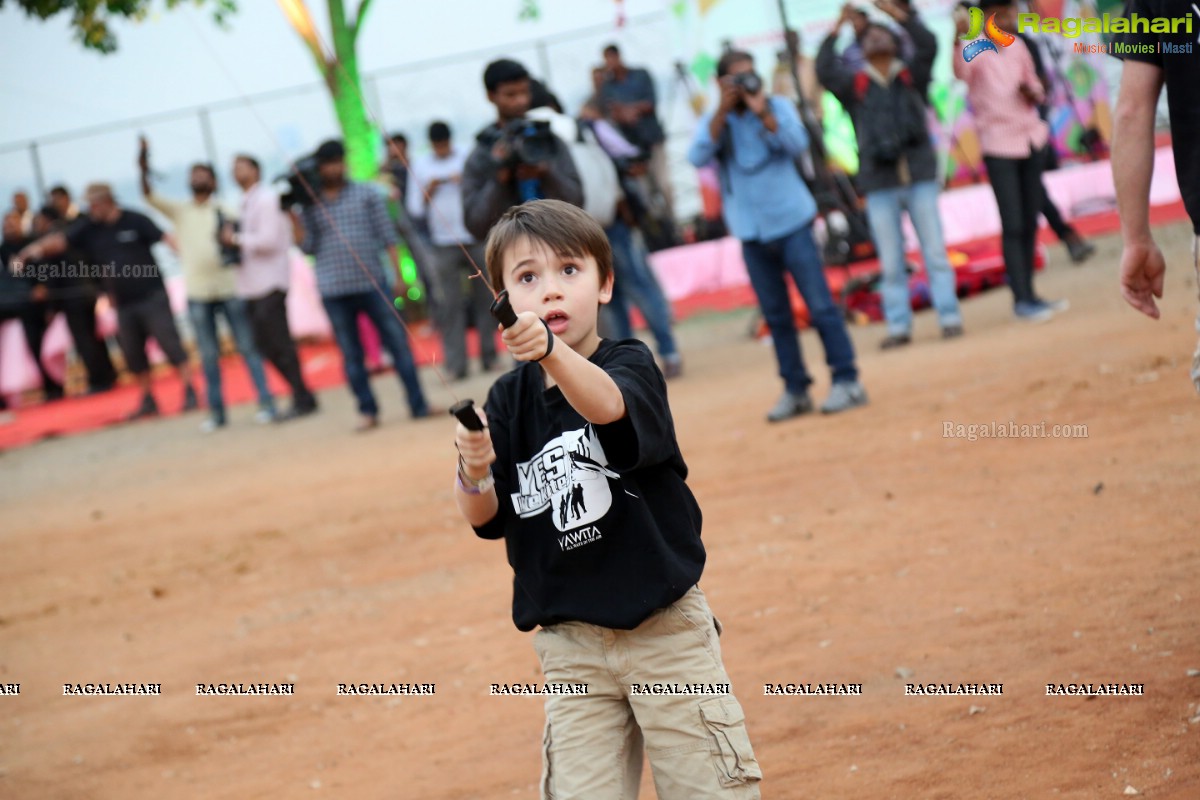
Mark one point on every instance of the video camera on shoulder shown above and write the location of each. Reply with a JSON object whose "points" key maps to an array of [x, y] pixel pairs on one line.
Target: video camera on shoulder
{"points": [[529, 141], [297, 186]]}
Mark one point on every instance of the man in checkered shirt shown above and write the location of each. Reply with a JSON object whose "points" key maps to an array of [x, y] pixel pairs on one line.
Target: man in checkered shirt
{"points": [[347, 231]]}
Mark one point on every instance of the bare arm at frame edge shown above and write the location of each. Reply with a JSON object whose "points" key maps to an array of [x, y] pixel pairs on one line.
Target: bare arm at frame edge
{"points": [[1142, 264]]}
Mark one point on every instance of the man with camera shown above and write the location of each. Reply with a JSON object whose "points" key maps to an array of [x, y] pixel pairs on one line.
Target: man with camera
{"points": [[346, 228], [514, 159], [897, 165], [263, 238], [208, 276], [754, 140]]}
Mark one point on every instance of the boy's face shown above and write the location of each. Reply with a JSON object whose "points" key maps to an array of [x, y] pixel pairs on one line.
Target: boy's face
{"points": [[565, 292]]}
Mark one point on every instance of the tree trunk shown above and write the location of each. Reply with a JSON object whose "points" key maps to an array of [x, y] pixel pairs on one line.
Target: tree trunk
{"points": [[339, 69], [361, 138], [350, 104]]}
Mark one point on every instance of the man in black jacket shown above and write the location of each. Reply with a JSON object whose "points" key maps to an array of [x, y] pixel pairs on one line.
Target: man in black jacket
{"points": [[496, 176], [75, 296], [897, 164]]}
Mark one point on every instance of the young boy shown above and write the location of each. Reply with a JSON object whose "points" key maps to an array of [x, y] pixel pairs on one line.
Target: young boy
{"points": [[579, 472]]}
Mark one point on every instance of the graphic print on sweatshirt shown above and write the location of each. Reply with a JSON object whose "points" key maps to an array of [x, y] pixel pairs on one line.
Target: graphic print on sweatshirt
{"points": [[569, 479]]}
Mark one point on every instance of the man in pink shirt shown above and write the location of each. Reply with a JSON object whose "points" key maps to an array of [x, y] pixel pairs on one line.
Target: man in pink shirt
{"points": [[264, 239], [1004, 90]]}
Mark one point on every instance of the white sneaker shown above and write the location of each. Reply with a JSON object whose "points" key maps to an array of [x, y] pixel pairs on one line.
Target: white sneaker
{"points": [[211, 425], [264, 416], [843, 396]]}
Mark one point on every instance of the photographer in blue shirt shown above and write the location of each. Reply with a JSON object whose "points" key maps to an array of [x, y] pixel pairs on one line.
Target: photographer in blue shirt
{"points": [[754, 140]]}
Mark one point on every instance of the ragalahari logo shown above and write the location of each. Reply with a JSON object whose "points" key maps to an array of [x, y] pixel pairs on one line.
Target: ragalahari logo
{"points": [[994, 33]]}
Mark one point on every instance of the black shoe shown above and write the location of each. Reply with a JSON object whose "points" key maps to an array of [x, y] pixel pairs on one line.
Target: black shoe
{"points": [[295, 412], [1080, 250], [148, 408], [54, 393], [190, 401], [952, 331], [99, 389], [895, 340]]}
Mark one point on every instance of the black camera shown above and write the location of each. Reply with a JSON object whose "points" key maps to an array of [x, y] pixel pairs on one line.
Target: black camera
{"points": [[298, 186], [886, 149], [529, 141], [231, 254], [748, 82]]}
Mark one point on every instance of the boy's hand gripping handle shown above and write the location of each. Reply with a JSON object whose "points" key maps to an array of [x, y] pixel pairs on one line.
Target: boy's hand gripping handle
{"points": [[464, 410], [502, 310]]}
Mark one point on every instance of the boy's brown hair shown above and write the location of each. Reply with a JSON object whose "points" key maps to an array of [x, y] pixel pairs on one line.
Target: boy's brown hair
{"points": [[566, 229]]}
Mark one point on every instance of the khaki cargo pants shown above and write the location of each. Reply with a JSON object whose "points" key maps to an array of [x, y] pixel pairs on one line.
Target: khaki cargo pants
{"points": [[592, 746]]}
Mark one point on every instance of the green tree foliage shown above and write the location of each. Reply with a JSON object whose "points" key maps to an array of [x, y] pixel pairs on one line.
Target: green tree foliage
{"points": [[92, 19]]}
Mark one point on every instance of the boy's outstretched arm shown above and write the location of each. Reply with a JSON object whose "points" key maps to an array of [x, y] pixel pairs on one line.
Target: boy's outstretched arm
{"points": [[587, 387], [476, 457]]}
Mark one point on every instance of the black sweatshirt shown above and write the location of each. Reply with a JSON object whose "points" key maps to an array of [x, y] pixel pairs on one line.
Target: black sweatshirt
{"points": [[599, 525]]}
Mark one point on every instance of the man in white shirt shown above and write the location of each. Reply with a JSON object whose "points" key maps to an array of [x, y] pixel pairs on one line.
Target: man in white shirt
{"points": [[265, 238], [435, 194]]}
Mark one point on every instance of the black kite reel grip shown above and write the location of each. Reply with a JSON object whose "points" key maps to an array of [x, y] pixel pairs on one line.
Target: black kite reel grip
{"points": [[502, 310], [464, 411]]}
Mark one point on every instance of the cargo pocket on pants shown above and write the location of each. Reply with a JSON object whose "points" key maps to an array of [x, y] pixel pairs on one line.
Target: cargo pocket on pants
{"points": [[734, 759]]}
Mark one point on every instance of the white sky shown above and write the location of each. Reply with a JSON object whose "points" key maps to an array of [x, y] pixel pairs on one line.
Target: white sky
{"points": [[180, 59]]}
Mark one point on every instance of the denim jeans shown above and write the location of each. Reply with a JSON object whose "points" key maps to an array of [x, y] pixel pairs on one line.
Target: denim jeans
{"points": [[203, 314], [635, 282], [883, 213], [343, 311], [796, 254]]}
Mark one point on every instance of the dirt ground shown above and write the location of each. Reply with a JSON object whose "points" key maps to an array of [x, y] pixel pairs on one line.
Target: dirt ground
{"points": [[852, 549]]}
